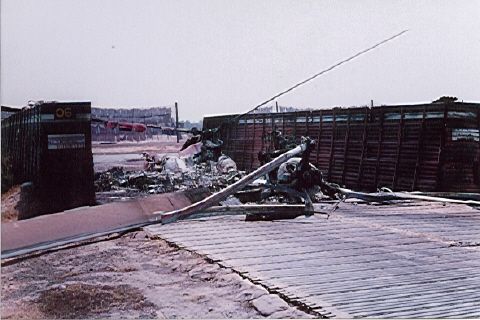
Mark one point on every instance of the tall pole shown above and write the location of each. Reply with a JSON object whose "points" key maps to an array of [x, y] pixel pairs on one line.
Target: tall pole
{"points": [[276, 106], [209, 201], [176, 122]]}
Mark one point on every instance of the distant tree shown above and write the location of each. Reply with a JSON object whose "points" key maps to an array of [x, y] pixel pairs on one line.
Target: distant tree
{"points": [[445, 99]]}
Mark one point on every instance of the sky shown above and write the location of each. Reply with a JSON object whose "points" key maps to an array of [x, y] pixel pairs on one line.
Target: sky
{"points": [[226, 56]]}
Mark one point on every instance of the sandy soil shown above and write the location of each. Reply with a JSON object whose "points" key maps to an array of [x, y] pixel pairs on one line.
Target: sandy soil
{"points": [[128, 154], [10, 200], [165, 144], [105, 156], [133, 277]]}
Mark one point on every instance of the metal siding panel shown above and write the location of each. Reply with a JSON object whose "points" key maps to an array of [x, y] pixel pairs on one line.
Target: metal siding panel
{"points": [[372, 154]]}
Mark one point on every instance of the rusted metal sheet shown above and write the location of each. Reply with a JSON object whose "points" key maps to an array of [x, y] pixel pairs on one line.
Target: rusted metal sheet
{"points": [[428, 147], [54, 230], [49, 145]]}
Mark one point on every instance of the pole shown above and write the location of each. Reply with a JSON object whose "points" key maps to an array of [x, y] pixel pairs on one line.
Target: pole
{"points": [[276, 106], [176, 122], [209, 201]]}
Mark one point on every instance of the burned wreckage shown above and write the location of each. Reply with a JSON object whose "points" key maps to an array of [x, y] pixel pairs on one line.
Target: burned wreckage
{"points": [[285, 174], [286, 179], [201, 163], [296, 178]]}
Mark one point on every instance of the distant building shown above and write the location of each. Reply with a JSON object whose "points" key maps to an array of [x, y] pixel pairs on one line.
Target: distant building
{"points": [[272, 108], [189, 125], [8, 111], [161, 116], [157, 116]]}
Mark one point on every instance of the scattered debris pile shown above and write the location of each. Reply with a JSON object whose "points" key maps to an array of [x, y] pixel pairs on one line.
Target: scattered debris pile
{"points": [[296, 178], [202, 164], [117, 183], [210, 147]]}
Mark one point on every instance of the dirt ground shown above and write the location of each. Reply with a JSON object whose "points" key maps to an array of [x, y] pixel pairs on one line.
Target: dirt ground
{"points": [[10, 200], [131, 276], [135, 277], [129, 154]]}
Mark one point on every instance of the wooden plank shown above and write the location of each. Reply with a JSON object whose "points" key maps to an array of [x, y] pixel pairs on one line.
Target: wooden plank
{"points": [[418, 286], [345, 147], [339, 252], [295, 116], [382, 239], [332, 144], [457, 314], [297, 245], [397, 302], [410, 306], [376, 299], [419, 147], [333, 276], [268, 267], [331, 231], [360, 183], [320, 127], [360, 286], [441, 149], [253, 141], [363, 260], [358, 235]]}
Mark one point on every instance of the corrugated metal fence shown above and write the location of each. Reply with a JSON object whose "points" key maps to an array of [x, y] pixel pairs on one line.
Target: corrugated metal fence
{"points": [[20, 152], [50, 146], [428, 147]]}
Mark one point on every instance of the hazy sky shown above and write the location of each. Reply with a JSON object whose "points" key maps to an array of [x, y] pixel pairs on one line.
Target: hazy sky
{"points": [[227, 56]]}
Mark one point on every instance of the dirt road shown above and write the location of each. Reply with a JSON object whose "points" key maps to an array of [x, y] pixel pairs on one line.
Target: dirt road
{"points": [[129, 154], [132, 276]]}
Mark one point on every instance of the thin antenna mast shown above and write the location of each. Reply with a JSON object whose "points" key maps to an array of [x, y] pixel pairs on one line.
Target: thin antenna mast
{"points": [[322, 72]]}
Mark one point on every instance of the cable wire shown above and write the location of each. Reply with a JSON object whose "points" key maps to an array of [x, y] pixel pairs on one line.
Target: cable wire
{"points": [[321, 72]]}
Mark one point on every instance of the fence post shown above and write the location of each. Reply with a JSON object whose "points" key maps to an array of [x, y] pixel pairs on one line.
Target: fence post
{"points": [[320, 127], [176, 122], [345, 146], [379, 147], [364, 148], [399, 147], [332, 146], [441, 148], [253, 141], [419, 149]]}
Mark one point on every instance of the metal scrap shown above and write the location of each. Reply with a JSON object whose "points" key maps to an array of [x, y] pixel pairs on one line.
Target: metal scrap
{"points": [[184, 213], [117, 183], [388, 195]]}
